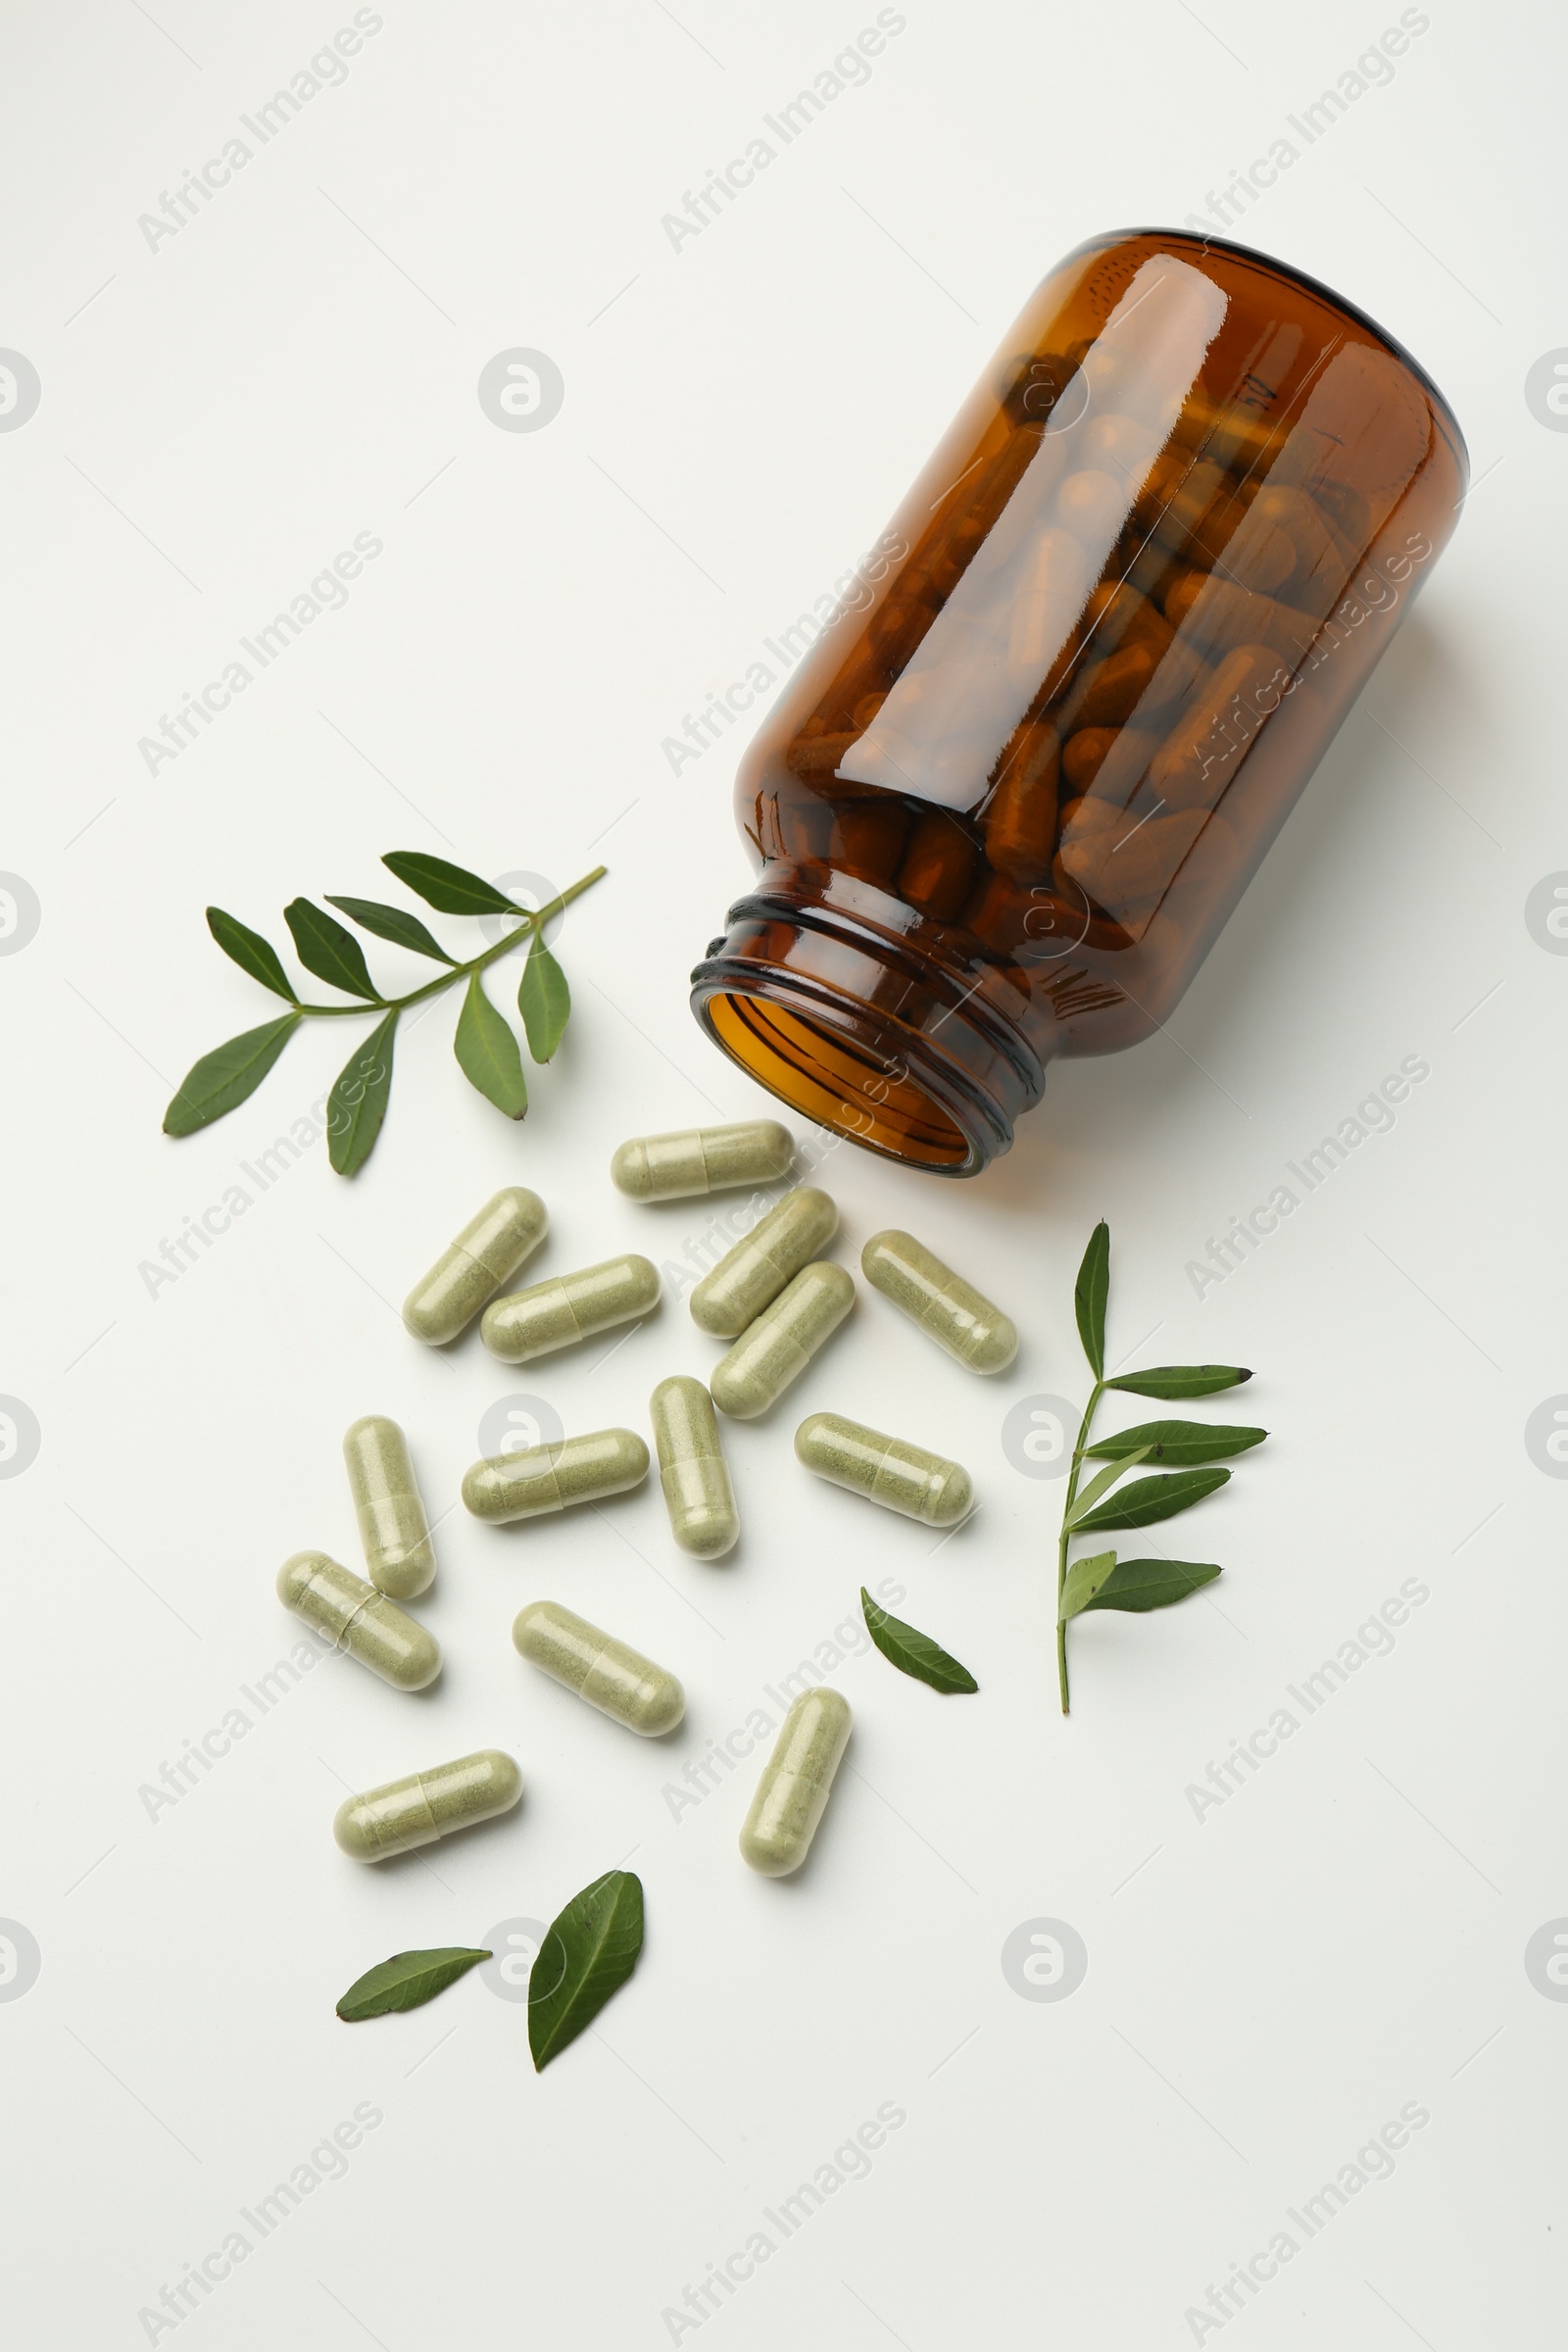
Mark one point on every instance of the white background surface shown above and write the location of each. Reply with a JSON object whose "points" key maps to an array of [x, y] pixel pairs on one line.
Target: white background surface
{"points": [[1266, 1986]]}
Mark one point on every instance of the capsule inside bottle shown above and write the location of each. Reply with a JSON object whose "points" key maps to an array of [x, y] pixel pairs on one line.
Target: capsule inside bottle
{"points": [[793, 1792]]}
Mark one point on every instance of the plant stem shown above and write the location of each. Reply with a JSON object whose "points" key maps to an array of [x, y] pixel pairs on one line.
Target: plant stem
{"points": [[457, 971], [1095, 1394]]}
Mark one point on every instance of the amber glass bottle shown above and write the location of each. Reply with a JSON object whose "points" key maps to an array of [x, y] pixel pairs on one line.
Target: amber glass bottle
{"points": [[1022, 777]]}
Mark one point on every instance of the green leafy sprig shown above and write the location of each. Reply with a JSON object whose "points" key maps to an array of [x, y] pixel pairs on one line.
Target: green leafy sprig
{"points": [[486, 1045], [1101, 1581]]}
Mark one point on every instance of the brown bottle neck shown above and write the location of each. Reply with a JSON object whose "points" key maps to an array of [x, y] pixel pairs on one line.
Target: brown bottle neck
{"points": [[826, 997]]}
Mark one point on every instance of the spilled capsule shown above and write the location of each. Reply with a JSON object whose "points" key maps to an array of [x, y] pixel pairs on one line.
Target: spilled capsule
{"points": [[426, 1805], [702, 1159], [776, 1348], [901, 1478], [692, 1469], [748, 1277], [485, 1255], [551, 1478], [793, 1792], [357, 1618], [949, 1309], [393, 1529], [606, 1673], [570, 1306]]}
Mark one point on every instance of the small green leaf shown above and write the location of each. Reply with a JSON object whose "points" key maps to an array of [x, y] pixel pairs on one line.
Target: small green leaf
{"points": [[391, 922], [357, 1105], [543, 999], [250, 951], [588, 1952], [1181, 1380], [1150, 1499], [406, 1982], [914, 1653], [1084, 1578], [1176, 1442], [449, 889], [223, 1079], [1104, 1583], [325, 948], [488, 1052], [1089, 1298], [1085, 1503]]}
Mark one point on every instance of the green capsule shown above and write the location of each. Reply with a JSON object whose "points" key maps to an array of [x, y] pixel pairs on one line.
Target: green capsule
{"points": [[426, 1805], [486, 1256], [951, 1311], [692, 1469], [752, 1274], [702, 1159], [777, 1347], [901, 1478], [610, 1675], [570, 1307], [793, 1791], [357, 1618], [393, 1528], [550, 1477]]}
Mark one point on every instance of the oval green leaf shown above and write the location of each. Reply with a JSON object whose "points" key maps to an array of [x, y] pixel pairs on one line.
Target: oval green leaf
{"points": [[1090, 1295], [223, 1079], [1181, 1380], [1085, 1503], [404, 930], [488, 1053], [587, 1954], [406, 1982], [357, 1105], [914, 1653], [543, 999], [250, 951], [1149, 1500], [1106, 1582], [1177, 1442], [325, 948], [449, 889]]}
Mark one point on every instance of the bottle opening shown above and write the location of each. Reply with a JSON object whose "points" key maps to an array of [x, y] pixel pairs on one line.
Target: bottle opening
{"points": [[840, 1082], [859, 1026]]}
